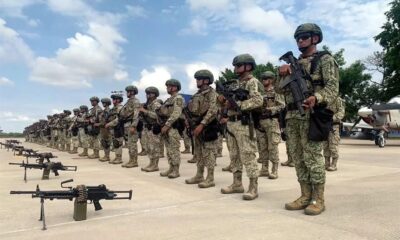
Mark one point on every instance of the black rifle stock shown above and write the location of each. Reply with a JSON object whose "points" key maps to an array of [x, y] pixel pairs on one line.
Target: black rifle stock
{"points": [[296, 82], [82, 195]]}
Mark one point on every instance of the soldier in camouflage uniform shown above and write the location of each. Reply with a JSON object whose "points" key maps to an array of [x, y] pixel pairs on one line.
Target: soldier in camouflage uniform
{"points": [[289, 162], [116, 128], [54, 133], [94, 130], [150, 131], [203, 110], [186, 142], [83, 133], [129, 116], [143, 140], [269, 127], [168, 115], [242, 145], [331, 147], [324, 84], [74, 131], [105, 134], [66, 121]]}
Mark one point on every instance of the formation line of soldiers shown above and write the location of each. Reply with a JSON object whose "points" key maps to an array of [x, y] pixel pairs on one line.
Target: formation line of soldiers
{"points": [[250, 105]]}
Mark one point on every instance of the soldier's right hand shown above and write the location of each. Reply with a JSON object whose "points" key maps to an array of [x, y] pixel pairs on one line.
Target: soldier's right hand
{"points": [[221, 99], [285, 70], [223, 120]]}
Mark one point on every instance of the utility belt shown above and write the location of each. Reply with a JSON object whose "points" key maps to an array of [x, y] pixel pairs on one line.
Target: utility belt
{"points": [[291, 106], [263, 117], [243, 118]]}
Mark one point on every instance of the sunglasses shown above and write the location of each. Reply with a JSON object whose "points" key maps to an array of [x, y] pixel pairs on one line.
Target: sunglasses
{"points": [[303, 36]]}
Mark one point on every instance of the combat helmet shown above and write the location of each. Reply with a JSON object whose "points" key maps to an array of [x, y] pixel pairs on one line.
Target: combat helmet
{"points": [[83, 107], [267, 75], [312, 28], [75, 110], [204, 74], [117, 96], [132, 88], [244, 59], [94, 99], [106, 101], [152, 90], [68, 112], [173, 82]]}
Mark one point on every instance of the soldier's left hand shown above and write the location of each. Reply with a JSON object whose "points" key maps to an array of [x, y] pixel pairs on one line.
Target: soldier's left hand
{"points": [[198, 130], [165, 129], [310, 102], [132, 130]]}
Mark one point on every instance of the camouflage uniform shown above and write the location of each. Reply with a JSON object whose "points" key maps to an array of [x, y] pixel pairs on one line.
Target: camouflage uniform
{"points": [[93, 137], [129, 115], [74, 132], [153, 137], [186, 142], [105, 134], [170, 112], [242, 147], [117, 138], [270, 134], [307, 154], [203, 108], [331, 147], [83, 133]]}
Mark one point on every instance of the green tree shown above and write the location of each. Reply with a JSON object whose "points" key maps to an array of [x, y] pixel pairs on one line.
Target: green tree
{"points": [[389, 39]]}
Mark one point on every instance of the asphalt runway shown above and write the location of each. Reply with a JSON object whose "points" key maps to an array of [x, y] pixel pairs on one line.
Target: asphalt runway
{"points": [[362, 200]]}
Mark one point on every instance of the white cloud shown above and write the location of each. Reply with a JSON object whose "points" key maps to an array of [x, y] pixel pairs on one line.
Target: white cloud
{"points": [[15, 117], [14, 8], [156, 78], [12, 47], [194, 67], [197, 26], [55, 110], [87, 58], [136, 11], [214, 5], [5, 81]]}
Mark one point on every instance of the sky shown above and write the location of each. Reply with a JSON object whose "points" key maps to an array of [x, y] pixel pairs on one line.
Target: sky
{"points": [[55, 55]]}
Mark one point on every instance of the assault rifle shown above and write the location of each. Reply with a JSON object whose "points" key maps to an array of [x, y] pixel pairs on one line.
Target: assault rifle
{"points": [[47, 167], [40, 156], [82, 195], [296, 81]]}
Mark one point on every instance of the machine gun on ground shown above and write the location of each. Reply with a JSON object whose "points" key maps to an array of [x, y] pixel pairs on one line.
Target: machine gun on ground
{"points": [[47, 167], [10, 144], [82, 195], [296, 82], [40, 156]]}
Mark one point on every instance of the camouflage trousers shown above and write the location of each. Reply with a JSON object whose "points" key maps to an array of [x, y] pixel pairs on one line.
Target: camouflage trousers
{"points": [[242, 149], [306, 154], [162, 146], [205, 152], [186, 140], [94, 142], [172, 143], [132, 144], [83, 138], [54, 136], [290, 159], [153, 143], [331, 147], [144, 139], [75, 141], [269, 139], [220, 141]]}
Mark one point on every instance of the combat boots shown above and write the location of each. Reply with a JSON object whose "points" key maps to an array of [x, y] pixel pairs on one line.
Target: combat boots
{"points": [[219, 153], [274, 171], [209, 182], [106, 157], [186, 151], [145, 169], [264, 172], [236, 186], [288, 163], [193, 160], [227, 168], [117, 159], [142, 153], [154, 166], [303, 201], [327, 162], [74, 150], [332, 167], [84, 153], [252, 193], [198, 178], [95, 154], [175, 172], [67, 147], [131, 163], [317, 204], [166, 173]]}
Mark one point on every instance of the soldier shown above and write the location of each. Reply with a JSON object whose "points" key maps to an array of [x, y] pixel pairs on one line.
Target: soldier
{"points": [[94, 129], [270, 134], [186, 142], [203, 114], [169, 115], [323, 83], [74, 131], [331, 147], [105, 135], [66, 141], [116, 127], [129, 115], [241, 142], [151, 130], [142, 139], [289, 162], [83, 130]]}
